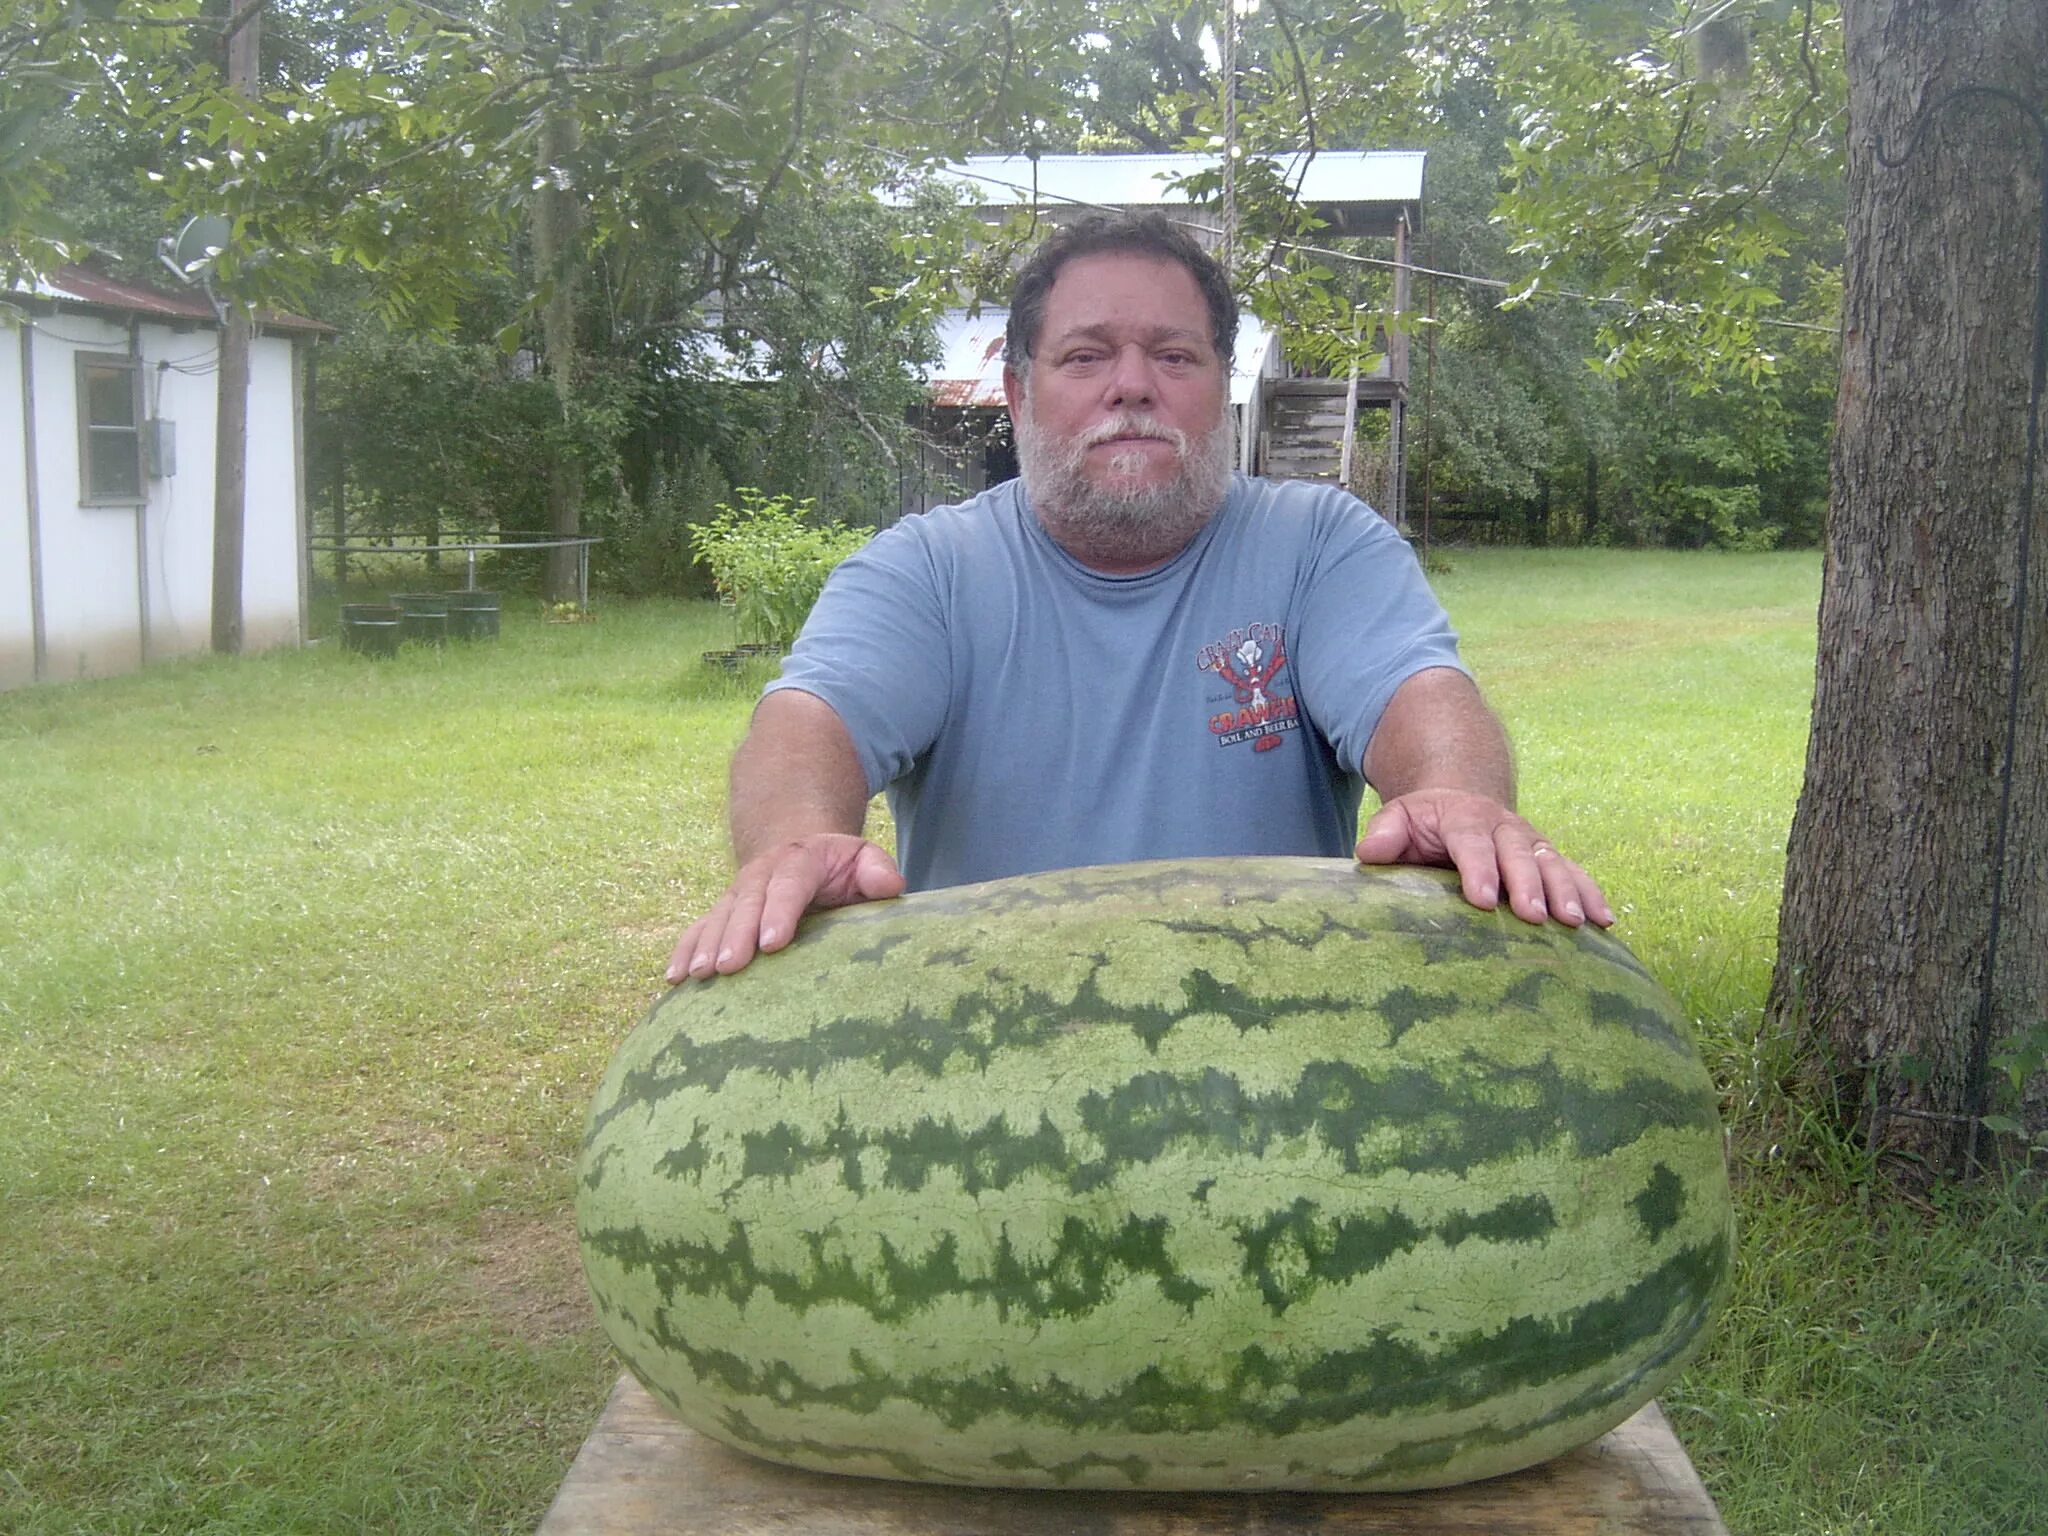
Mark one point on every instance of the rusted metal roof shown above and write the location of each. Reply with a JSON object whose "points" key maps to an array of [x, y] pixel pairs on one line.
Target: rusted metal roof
{"points": [[91, 289], [969, 371]]}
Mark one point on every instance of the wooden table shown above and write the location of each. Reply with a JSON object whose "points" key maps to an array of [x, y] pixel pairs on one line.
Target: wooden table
{"points": [[641, 1472]]}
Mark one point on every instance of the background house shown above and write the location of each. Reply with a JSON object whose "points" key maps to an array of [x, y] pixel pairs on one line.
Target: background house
{"points": [[107, 398], [1290, 424]]}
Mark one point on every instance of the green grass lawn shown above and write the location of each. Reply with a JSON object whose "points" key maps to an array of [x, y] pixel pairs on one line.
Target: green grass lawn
{"points": [[308, 965]]}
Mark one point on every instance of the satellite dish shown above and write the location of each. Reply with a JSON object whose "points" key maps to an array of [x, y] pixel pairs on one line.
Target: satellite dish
{"points": [[191, 251]]}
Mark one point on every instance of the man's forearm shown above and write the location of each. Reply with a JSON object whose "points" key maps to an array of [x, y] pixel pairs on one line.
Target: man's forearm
{"points": [[1437, 733], [796, 774], [799, 799]]}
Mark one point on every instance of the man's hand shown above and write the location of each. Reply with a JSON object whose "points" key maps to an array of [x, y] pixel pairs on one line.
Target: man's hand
{"points": [[1490, 847], [760, 909]]}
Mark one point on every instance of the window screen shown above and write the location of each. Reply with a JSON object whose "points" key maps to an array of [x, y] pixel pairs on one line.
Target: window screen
{"points": [[109, 431]]}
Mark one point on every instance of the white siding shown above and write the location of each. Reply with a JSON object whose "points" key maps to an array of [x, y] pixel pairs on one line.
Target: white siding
{"points": [[17, 616], [179, 545], [91, 619], [271, 560]]}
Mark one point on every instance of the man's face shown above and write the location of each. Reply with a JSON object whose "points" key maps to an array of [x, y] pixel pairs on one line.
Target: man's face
{"points": [[1122, 434]]}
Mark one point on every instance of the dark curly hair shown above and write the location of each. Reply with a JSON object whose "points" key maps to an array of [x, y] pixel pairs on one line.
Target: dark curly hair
{"points": [[1123, 234]]}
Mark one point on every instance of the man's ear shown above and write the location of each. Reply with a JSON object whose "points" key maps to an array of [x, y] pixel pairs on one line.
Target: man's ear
{"points": [[1013, 390]]}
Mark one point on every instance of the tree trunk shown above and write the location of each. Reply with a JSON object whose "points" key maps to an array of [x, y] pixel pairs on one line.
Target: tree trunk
{"points": [[557, 226], [1885, 929], [1590, 520], [231, 408], [230, 464]]}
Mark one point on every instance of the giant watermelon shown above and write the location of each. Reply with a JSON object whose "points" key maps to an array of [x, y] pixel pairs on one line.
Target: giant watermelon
{"points": [[1220, 1173]]}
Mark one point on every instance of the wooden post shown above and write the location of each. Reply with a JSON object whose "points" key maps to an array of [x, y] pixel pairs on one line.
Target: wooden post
{"points": [[1396, 508], [230, 465], [231, 414]]}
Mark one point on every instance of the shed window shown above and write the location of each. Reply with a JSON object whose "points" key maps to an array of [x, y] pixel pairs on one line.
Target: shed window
{"points": [[109, 431]]}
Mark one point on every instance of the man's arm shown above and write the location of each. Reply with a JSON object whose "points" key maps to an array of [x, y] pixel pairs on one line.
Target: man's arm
{"points": [[798, 802], [1439, 761]]}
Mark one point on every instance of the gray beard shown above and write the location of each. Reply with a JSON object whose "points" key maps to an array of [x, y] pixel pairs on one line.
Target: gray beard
{"points": [[1123, 522]]}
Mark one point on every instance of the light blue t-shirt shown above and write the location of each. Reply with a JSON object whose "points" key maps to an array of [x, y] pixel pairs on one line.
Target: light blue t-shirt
{"points": [[1027, 713]]}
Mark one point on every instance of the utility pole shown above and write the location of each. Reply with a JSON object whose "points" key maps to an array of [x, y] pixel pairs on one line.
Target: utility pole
{"points": [[231, 413]]}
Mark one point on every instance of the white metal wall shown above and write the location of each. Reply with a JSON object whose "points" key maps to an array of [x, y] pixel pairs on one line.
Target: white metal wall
{"points": [[88, 571], [273, 561], [17, 627]]}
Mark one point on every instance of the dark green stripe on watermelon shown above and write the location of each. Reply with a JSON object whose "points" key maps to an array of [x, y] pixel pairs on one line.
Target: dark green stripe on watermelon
{"points": [[974, 1028], [1139, 1120], [1085, 1267], [1379, 1378]]}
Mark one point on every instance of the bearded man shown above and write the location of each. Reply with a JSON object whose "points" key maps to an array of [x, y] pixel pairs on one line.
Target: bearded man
{"points": [[1129, 652]]}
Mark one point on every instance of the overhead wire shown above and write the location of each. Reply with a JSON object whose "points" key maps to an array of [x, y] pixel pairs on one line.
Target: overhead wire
{"points": [[175, 364]]}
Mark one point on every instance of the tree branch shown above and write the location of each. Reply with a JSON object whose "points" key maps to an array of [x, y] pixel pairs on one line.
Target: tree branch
{"points": [[238, 19], [715, 43], [1301, 85], [744, 232]]}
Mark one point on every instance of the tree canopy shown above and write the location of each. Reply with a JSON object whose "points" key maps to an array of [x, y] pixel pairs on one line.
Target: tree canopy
{"points": [[596, 188]]}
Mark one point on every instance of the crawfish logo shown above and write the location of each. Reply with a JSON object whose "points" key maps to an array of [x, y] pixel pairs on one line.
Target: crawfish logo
{"points": [[1249, 660]]}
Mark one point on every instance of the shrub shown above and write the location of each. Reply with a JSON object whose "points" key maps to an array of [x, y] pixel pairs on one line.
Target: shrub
{"points": [[769, 558]]}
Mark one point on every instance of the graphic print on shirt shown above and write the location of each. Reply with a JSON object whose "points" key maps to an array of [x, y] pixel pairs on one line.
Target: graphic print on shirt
{"points": [[1250, 660]]}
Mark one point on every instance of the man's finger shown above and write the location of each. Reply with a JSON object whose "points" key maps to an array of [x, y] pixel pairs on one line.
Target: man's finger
{"points": [[1561, 884], [1521, 869], [684, 955], [1473, 855], [697, 951], [1388, 836], [875, 875], [790, 892], [736, 944]]}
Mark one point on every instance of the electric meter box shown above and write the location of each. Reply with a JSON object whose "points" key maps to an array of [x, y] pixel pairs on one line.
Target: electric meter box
{"points": [[160, 448]]}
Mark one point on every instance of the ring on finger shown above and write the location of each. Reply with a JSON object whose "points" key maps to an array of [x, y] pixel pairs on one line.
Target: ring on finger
{"points": [[1537, 850]]}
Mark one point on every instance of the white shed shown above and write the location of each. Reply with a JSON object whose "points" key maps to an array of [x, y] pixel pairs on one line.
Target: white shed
{"points": [[107, 398]]}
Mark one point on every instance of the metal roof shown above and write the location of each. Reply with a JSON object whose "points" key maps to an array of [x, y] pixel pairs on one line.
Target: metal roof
{"points": [[1361, 191], [969, 371], [970, 366], [85, 287]]}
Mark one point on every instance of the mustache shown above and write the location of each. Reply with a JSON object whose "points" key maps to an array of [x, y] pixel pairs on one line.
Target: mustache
{"points": [[1134, 424]]}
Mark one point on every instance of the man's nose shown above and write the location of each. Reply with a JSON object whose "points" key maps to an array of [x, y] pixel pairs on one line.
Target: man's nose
{"points": [[1131, 379]]}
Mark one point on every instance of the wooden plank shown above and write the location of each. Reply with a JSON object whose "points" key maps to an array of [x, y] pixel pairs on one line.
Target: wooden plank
{"points": [[641, 1472]]}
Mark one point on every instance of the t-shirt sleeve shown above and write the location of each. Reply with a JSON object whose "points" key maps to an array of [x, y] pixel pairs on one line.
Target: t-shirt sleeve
{"points": [[875, 649], [1369, 623]]}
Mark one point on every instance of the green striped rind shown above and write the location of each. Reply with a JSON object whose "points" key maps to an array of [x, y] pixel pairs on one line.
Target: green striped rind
{"points": [[1227, 1173]]}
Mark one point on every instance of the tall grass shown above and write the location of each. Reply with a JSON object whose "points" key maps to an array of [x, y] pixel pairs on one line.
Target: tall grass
{"points": [[308, 965]]}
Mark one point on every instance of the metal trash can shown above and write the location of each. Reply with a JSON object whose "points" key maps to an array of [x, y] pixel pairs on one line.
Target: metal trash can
{"points": [[425, 616], [371, 628], [472, 615]]}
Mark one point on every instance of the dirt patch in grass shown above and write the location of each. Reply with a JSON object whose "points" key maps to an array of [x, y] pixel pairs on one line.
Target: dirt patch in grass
{"points": [[529, 1275]]}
